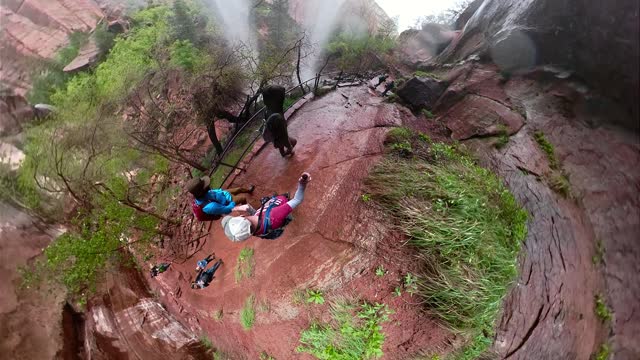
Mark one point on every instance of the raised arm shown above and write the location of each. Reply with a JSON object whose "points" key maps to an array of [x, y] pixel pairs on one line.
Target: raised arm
{"points": [[299, 196]]}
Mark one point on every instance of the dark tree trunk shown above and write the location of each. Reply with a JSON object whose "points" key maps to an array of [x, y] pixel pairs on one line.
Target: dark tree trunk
{"points": [[298, 69], [211, 130]]}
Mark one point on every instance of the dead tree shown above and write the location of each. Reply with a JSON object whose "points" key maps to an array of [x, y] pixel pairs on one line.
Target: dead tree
{"points": [[160, 121]]}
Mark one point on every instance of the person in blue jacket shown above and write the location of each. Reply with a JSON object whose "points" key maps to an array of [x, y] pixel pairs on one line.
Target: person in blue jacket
{"points": [[210, 204]]}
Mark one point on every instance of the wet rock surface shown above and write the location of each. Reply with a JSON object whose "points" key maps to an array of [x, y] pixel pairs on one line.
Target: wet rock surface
{"points": [[477, 116], [334, 243], [599, 41], [550, 310], [128, 323], [30, 319]]}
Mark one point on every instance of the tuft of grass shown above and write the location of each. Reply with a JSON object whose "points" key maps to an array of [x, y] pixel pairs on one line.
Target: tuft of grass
{"points": [[298, 296], [467, 227], [548, 149], [217, 315], [397, 291], [424, 74], [248, 313], [601, 309], [503, 138], [265, 356], [366, 197], [403, 149], [220, 355], [559, 182], [206, 342], [428, 114], [354, 333], [603, 352], [264, 306], [289, 101], [424, 137], [381, 271], [315, 296], [244, 265], [398, 135], [598, 257], [410, 283]]}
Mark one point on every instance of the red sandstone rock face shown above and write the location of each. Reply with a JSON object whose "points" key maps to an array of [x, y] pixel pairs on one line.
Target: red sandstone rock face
{"points": [[477, 116], [367, 10], [550, 310], [37, 29]]}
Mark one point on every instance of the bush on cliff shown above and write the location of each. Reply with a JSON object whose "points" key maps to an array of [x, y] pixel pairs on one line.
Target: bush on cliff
{"points": [[466, 226]]}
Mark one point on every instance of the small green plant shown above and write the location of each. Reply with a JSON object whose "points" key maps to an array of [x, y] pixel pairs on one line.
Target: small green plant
{"points": [[366, 197], [315, 296], [381, 271], [505, 76], [206, 342], [244, 265], [424, 138], [603, 352], [248, 313], [403, 149], [428, 114], [397, 291], [502, 141], [410, 283], [354, 333], [598, 257], [503, 137], [265, 356], [547, 148], [601, 309]]}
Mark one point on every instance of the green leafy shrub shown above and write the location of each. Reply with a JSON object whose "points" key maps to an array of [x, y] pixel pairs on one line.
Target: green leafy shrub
{"points": [[315, 296], [380, 271], [355, 333], [357, 52], [50, 76], [186, 56]]}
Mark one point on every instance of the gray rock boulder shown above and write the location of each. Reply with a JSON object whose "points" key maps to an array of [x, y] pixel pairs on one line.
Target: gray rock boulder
{"points": [[421, 92], [597, 40]]}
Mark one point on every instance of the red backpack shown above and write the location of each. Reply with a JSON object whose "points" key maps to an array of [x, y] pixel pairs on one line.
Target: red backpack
{"points": [[200, 214]]}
